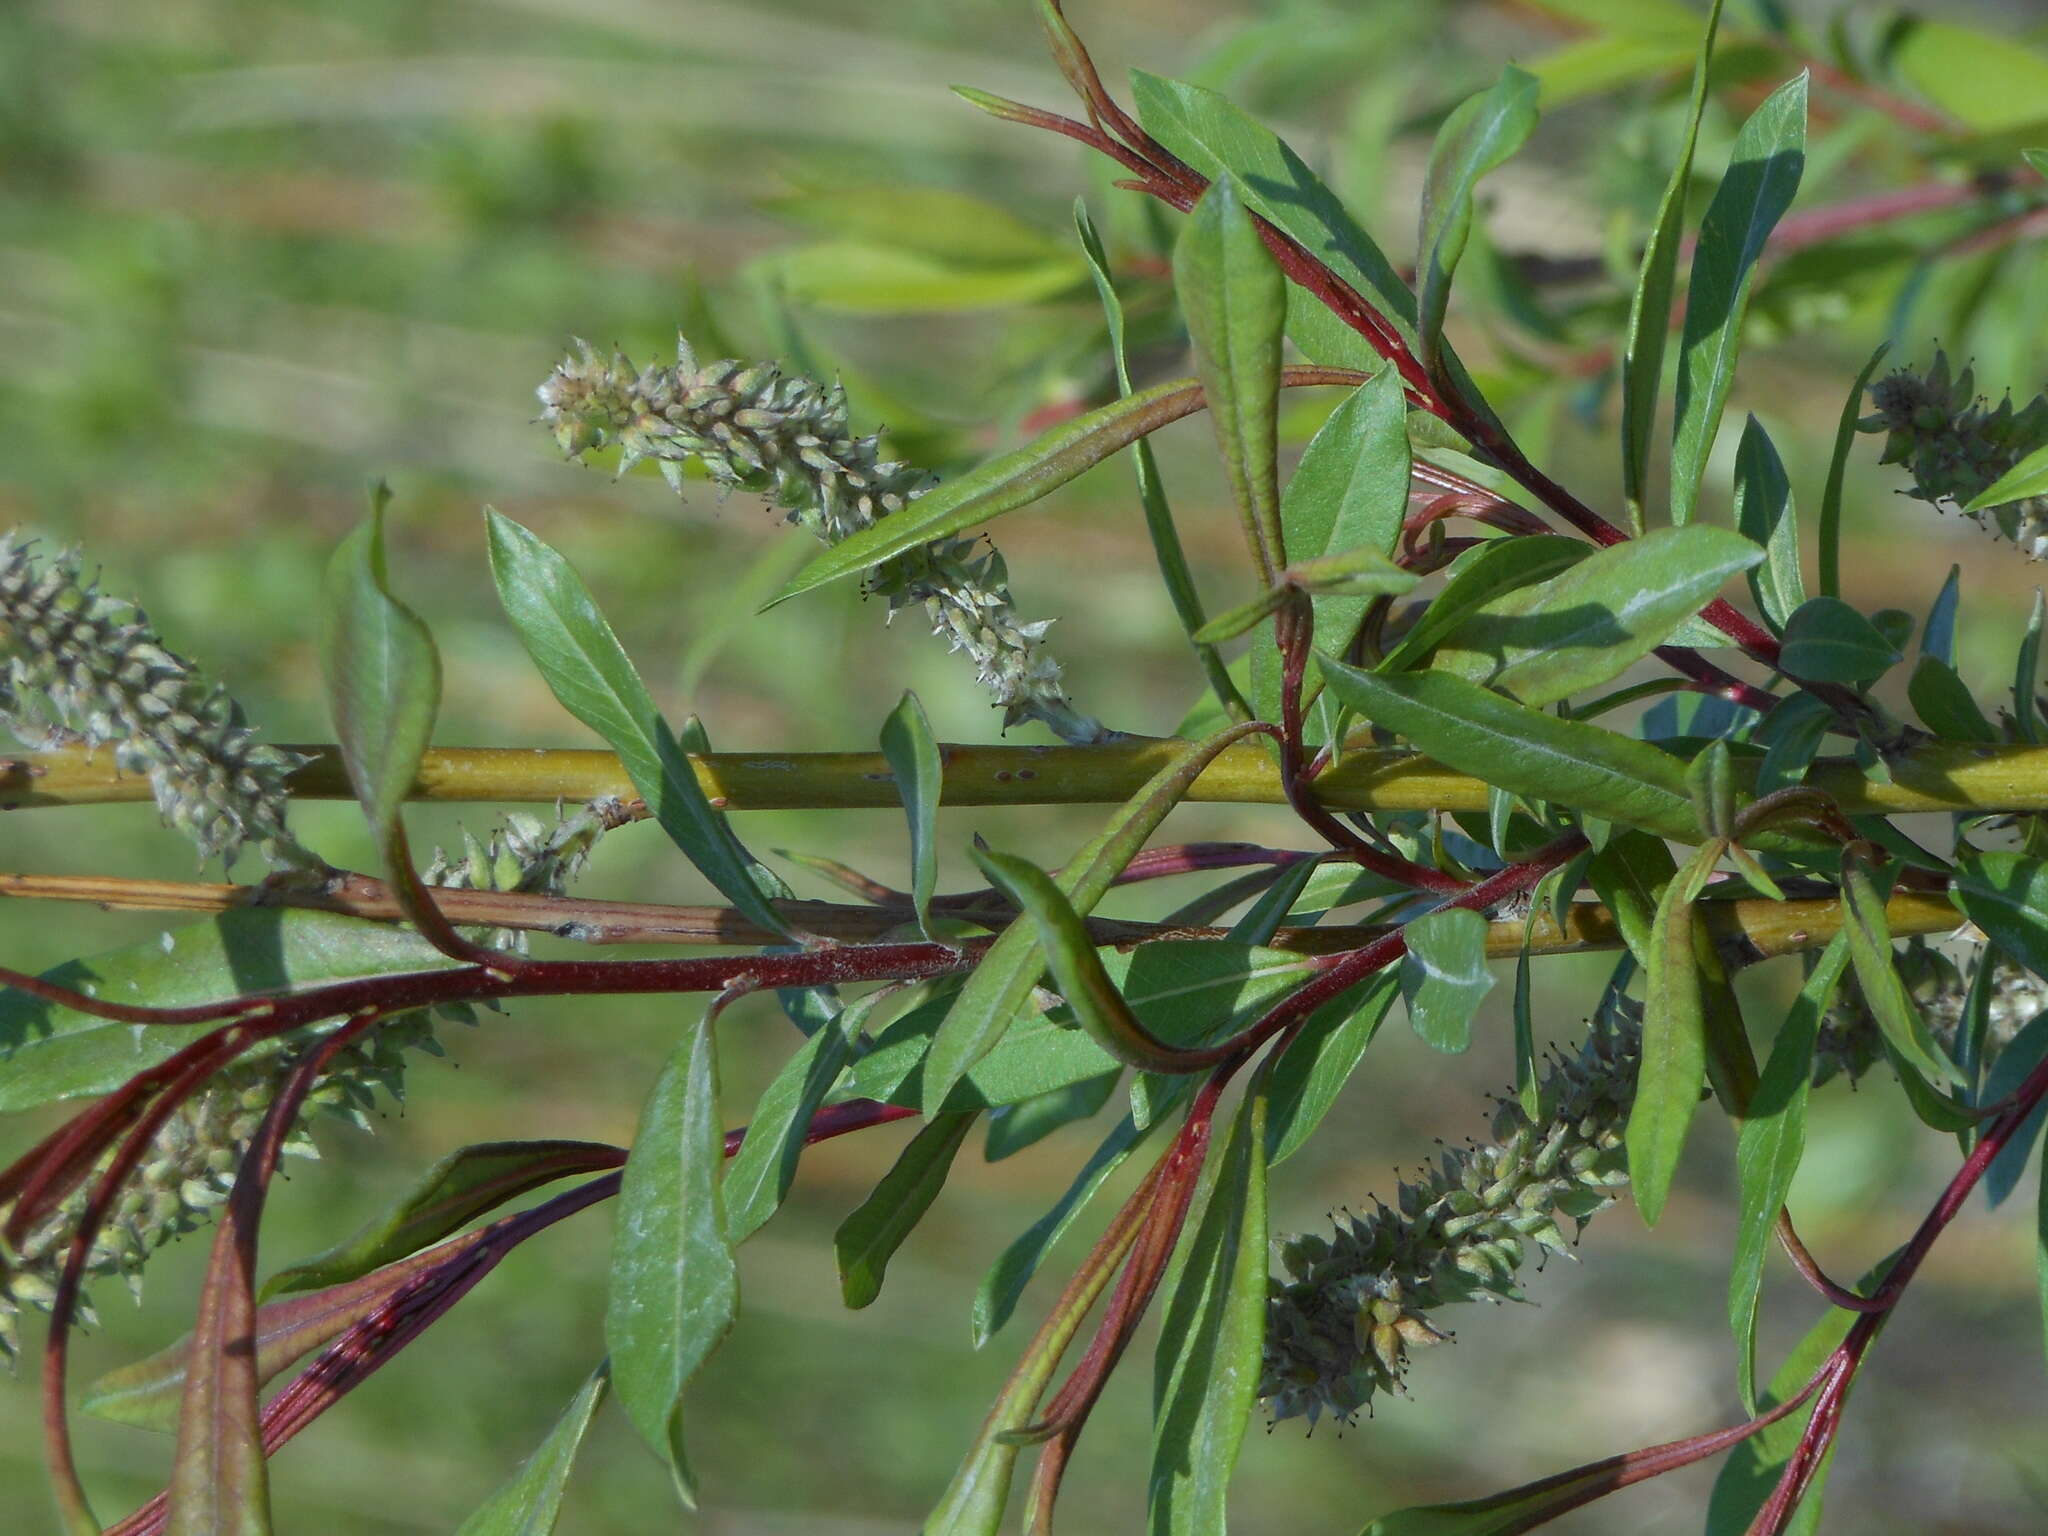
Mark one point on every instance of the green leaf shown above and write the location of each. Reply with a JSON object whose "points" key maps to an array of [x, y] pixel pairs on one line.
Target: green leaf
{"points": [[1870, 948], [2027, 666], [1013, 1127], [674, 1289], [1711, 780], [1768, 1149], [2027, 478], [1002, 983], [1232, 622], [1790, 735], [461, 1186], [529, 1503], [1765, 514], [996, 1298], [383, 676], [1838, 468], [220, 1483], [1674, 1057], [912, 753], [858, 277], [761, 1172], [590, 674], [1235, 303], [954, 227], [147, 1393], [1986, 80], [1522, 750], [1166, 545], [1084, 983], [1481, 134], [48, 1052], [1764, 168], [1003, 484], [869, 1237], [2012, 1068], [1945, 704], [1444, 975], [1629, 875], [1205, 1378], [1185, 991], [2041, 1237], [1649, 310], [1827, 641], [1478, 577], [1753, 1467], [1214, 136], [1587, 625], [1308, 1078]]}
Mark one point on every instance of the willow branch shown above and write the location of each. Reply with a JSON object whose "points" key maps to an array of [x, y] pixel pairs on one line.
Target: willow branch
{"points": [[1935, 776], [1752, 929]]}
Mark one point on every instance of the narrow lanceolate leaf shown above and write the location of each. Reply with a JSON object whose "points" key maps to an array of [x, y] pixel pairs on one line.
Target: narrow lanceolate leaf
{"points": [[995, 1300], [2012, 1068], [1308, 1078], [1764, 168], [1674, 1059], [383, 674], [1078, 972], [463, 1185], [1711, 778], [869, 1237], [1479, 136], [1590, 623], [1870, 950], [220, 1485], [1753, 1467], [674, 1289], [972, 1504], [1649, 310], [2006, 895], [1003, 484], [912, 753], [1166, 545], [1765, 513], [2041, 1238], [2027, 478], [528, 1504], [1628, 876], [1523, 750], [49, 1052], [1480, 577], [1001, 985], [589, 672], [147, 1393], [1768, 1149], [1235, 302], [1206, 1378], [1444, 975], [761, 1172], [1830, 529]]}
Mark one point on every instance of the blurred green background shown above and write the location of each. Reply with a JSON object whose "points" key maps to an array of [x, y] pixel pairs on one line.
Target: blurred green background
{"points": [[254, 253]]}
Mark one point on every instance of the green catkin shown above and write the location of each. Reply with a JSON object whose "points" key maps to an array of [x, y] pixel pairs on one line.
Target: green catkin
{"points": [[1347, 1309], [85, 669], [191, 1162], [1955, 449], [787, 438]]}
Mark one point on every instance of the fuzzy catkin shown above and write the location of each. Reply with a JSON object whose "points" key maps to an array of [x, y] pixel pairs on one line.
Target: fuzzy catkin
{"points": [[1955, 449], [85, 669], [787, 438], [191, 1162], [1348, 1308]]}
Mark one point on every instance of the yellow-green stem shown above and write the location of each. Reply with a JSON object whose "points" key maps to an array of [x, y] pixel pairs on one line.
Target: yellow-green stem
{"points": [[1938, 776]]}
